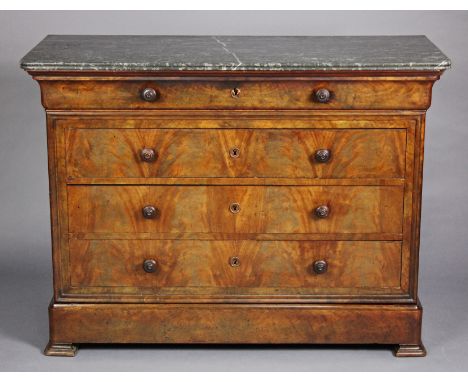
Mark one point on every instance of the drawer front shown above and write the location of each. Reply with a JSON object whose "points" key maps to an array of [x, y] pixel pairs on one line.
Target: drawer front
{"points": [[235, 209], [278, 153], [243, 267], [236, 94]]}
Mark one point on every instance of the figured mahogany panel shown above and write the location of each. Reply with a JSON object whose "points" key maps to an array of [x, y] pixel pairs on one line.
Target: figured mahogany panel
{"points": [[236, 323], [276, 153], [236, 209], [258, 266], [227, 93]]}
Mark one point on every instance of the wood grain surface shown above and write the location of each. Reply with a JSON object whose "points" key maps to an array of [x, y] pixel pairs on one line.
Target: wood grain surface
{"points": [[263, 266], [268, 209], [236, 323], [373, 124], [377, 94], [275, 153]]}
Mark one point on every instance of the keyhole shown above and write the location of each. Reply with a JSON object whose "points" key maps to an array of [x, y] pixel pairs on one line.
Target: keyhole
{"points": [[235, 93], [234, 152], [234, 261], [234, 208]]}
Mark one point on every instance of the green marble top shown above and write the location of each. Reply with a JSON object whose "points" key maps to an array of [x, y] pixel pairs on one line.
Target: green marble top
{"points": [[234, 53]]}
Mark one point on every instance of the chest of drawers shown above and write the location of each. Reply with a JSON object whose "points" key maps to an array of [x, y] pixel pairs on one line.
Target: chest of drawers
{"points": [[235, 189]]}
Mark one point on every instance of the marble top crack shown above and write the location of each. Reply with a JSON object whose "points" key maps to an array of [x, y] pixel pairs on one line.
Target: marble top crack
{"points": [[259, 53], [224, 46]]}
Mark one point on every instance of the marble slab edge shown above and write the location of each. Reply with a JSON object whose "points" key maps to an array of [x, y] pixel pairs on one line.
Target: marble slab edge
{"points": [[234, 68]]}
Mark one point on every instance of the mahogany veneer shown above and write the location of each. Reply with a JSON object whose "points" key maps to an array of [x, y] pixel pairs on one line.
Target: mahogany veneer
{"points": [[235, 207]]}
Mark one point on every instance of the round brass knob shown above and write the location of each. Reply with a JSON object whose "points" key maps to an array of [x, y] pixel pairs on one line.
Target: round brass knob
{"points": [[322, 212], [234, 152], [234, 208], [149, 266], [235, 93], [320, 266], [322, 155], [322, 95], [234, 261], [147, 155], [149, 95], [150, 212]]}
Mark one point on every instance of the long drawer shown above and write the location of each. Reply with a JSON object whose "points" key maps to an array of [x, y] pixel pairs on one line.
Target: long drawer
{"points": [[275, 153], [234, 267], [157, 94], [235, 209]]}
